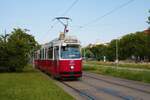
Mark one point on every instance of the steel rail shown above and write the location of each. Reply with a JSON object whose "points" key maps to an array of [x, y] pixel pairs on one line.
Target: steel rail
{"points": [[133, 88]]}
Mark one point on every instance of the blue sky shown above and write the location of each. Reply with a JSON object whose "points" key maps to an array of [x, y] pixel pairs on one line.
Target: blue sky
{"points": [[37, 15]]}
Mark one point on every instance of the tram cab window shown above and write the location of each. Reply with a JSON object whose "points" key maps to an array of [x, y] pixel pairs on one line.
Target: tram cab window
{"points": [[70, 52]]}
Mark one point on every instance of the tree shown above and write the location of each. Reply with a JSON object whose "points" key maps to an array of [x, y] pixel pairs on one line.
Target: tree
{"points": [[148, 44], [87, 53], [16, 49], [134, 44], [99, 51], [3, 52], [111, 50]]}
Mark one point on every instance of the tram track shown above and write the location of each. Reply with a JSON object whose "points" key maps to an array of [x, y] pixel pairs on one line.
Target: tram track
{"points": [[111, 92], [99, 90], [89, 97], [99, 87], [104, 88], [114, 83]]}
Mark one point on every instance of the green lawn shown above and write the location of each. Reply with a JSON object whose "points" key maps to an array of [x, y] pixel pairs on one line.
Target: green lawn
{"points": [[143, 76], [127, 65], [29, 85]]}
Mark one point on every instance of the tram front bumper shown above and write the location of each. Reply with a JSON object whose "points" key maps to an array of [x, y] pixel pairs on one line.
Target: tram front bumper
{"points": [[71, 74]]}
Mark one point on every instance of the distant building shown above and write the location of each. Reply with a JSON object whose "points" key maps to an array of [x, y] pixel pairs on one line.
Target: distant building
{"points": [[147, 31], [96, 44]]}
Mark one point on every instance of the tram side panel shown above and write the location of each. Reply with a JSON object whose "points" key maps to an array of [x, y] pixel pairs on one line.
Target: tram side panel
{"points": [[49, 66]]}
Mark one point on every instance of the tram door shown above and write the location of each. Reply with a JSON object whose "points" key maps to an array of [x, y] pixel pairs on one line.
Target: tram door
{"points": [[56, 60]]}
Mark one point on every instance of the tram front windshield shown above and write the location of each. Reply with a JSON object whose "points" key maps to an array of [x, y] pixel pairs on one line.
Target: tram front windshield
{"points": [[70, 52]]}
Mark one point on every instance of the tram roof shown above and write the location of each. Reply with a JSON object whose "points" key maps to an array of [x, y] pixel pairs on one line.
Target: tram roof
{"points": [[56, 42]]}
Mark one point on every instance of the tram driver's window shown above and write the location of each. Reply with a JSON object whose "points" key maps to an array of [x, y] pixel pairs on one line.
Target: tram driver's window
{"points": [[64, 48]]}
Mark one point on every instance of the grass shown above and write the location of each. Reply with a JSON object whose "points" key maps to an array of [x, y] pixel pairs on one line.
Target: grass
{"points": [[29, 85], [127, 65], [143, 76]]}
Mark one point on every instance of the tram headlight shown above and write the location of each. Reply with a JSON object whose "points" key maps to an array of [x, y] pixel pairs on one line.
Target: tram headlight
{"points": [[71, 67], [64, 44]]}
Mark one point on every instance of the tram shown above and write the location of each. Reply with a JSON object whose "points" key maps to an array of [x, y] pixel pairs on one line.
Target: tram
{"points": [[60, 57]]}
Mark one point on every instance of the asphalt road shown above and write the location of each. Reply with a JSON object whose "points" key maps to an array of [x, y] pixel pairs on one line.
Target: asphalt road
{"points": [[100, 87]]}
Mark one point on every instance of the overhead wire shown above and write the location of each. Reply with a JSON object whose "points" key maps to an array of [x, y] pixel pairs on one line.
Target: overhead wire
{"points": [[63, 14], [96, 19], [108, 13], [70, 7], [66, 11]]}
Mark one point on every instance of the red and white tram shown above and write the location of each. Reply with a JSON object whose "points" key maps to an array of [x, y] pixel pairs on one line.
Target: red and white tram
{"points": [[60, 57]]}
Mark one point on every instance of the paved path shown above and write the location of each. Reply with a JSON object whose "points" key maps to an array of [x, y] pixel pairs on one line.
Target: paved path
{"points": [[100, 87]]}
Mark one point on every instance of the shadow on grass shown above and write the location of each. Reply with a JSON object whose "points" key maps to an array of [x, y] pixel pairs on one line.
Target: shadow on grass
{"points": [[26, 69], [4, 70]]}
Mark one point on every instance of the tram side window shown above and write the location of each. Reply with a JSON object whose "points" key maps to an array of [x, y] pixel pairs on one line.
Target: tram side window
{"points": [[45, 53], [56, 53], [50, 53], [40, 54], [35, 55]]}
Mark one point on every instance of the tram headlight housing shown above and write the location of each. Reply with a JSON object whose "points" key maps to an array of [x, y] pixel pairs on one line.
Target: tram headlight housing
{"points": [[71, 67]]}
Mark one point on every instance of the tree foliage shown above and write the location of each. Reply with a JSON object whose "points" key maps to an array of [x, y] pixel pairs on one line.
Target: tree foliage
{"points": [[15, 50], [3, 51], [134, 46]]}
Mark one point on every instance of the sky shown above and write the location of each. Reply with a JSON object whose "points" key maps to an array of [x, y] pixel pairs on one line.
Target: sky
{"points": [[38, 15]]}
